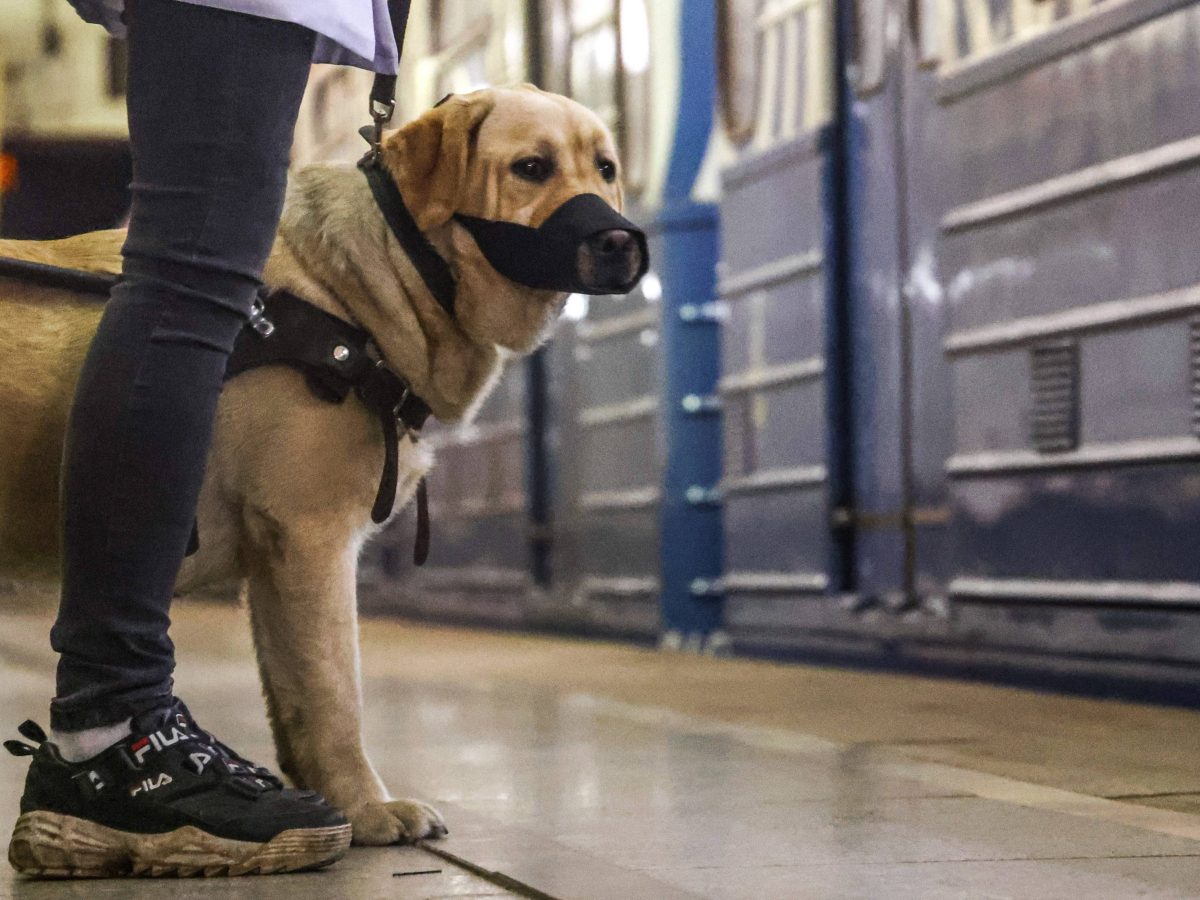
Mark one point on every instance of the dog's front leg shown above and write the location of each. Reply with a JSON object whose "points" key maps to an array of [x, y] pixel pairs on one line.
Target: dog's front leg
{"points": [[303, 611]]}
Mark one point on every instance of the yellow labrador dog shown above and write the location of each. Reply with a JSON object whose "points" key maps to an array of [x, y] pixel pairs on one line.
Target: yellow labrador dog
{"points": [[290, 480]]}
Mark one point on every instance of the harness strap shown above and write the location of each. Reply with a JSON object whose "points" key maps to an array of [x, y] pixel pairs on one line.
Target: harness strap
{"points": [[421, 546], [336, 358], [333, 355]]}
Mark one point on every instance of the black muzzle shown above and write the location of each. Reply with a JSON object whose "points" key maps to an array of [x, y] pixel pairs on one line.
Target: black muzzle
{"points": [[584, 247]]}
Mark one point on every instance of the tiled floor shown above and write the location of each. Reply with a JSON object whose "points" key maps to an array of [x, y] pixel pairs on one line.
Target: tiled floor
{"points": [[599, 771]]}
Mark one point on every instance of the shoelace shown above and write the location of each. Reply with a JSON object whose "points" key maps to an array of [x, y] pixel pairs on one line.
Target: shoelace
{"points": [[236, 764]]}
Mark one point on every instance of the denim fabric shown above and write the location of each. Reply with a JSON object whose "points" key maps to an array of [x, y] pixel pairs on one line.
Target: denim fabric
{"points": [[213, 98]]}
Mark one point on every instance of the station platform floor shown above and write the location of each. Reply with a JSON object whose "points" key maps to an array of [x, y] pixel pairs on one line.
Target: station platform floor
{"points": [[569, 768]]}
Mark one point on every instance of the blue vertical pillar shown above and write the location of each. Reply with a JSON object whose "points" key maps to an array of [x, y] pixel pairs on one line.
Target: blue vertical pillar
{"points": [[691, 512]]}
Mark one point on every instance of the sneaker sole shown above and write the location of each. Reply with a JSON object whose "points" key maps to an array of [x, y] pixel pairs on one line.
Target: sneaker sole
{"points": [[51, 845]]}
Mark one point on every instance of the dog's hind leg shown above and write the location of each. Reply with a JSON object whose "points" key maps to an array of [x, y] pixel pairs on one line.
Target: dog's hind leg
{"points": [[303, 612]]}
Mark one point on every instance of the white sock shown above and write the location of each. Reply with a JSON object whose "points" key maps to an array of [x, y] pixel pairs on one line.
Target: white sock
{"points": [[76, 746]]}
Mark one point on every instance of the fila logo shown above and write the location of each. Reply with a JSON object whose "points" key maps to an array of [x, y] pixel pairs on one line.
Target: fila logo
{"points": [[151, 784], [200, 760], [156, 741]]}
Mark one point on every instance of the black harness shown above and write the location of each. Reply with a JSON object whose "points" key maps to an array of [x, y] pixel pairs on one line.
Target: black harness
{"points": [[335, 357]]}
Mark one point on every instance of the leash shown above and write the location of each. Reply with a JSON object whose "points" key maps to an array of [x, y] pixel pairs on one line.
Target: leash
{"points": [[382, 103], [431, 267], [57, 277], [434, 271]]}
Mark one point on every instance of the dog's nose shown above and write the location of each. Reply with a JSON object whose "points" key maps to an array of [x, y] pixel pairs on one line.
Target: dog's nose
{"points": [[612, 260], [615, 242]]}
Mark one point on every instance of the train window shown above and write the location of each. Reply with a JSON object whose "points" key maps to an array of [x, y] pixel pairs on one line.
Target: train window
{"points": [[776, 68], [461, 33], [473, 43], [330, 115], [737, 63], [634, 31], [970, 29], [599, 54], [593, 73], [868, 49], [796, 93], [452, 19]]}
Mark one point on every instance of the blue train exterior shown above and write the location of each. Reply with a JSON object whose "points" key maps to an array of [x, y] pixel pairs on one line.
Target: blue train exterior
{"points": [[916, 376]]}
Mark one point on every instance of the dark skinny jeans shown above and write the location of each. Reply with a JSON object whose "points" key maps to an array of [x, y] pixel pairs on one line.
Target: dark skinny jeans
{"points": [[213, 98]]}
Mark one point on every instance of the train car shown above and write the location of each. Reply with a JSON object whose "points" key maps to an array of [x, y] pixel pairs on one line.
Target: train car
{"points": [[952, 415], [959, 372], [629, 544], [1035, 159]]}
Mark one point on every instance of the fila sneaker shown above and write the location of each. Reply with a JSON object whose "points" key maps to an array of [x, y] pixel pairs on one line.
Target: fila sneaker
{"points": [[168, 800]]}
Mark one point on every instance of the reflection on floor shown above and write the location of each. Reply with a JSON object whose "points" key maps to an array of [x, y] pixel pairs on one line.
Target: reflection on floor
{"points": [[601, 771]]}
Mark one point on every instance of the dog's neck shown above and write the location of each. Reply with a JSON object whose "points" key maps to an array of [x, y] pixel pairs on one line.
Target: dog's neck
{"points": [[335, 250]]}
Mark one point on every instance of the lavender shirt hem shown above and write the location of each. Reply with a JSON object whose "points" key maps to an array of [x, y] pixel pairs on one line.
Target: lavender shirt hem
{"points": [[349, 32]]}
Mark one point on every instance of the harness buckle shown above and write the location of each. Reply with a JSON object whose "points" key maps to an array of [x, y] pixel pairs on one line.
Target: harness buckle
{"points": [[381, 110], [405, 391], [383, 374], [258, 318]]}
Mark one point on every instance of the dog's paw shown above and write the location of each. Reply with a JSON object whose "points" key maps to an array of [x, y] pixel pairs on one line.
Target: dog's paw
{"points": [[396, 822]]}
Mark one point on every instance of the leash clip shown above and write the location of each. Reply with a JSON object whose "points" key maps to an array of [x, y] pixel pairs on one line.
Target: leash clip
{"points": [[381, 114], [258, 318]]}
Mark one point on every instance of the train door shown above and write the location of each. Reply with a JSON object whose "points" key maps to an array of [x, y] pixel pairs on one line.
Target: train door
{"points": [[604, 374], [1024, 318], [900, 385], [782, 343], [1073, 289]]}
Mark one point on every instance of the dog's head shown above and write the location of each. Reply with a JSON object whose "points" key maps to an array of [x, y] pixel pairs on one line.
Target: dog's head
{"points": [[512, 155]]}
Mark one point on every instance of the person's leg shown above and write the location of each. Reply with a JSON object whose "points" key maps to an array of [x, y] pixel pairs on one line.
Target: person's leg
{"points": [[213, 98]]}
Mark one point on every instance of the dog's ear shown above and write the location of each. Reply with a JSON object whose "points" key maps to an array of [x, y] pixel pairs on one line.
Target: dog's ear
{"points": [[428, 157]]}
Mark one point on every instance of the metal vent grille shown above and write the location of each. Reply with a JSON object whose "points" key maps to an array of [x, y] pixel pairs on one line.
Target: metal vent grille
{"points": [[1054, 368], [1195, 337]]}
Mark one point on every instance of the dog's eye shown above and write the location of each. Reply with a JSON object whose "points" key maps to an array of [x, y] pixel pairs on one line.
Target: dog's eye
{"points": [[608, 169], [533, 168]]}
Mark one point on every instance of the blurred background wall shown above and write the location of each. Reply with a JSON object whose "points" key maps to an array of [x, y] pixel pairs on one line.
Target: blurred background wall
{"points": [[63, 117]]}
